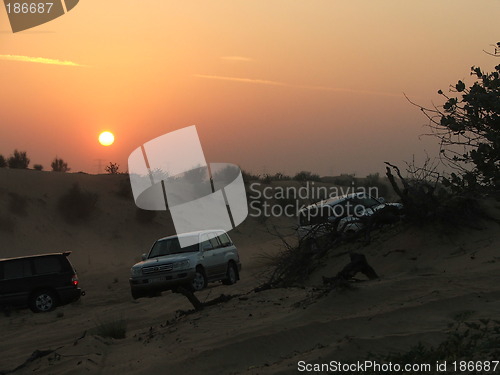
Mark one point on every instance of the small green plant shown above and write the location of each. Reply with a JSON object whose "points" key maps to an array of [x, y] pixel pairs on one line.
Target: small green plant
{"points": [[77, 205], [116, 329]]}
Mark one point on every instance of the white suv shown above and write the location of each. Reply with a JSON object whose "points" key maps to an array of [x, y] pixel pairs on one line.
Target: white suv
{"points": [[213, 257], [344, 214]]}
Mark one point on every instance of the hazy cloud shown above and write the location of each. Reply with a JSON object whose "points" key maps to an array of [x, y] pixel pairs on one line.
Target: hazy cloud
{"points": [[308, 87], [40, 60], [236, 58]]}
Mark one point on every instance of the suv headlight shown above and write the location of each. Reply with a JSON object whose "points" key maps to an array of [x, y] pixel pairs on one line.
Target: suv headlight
{"points": [[181, 265], [136, 271]]}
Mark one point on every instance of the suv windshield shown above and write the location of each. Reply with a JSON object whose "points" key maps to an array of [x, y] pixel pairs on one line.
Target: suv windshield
{"points": [[170, 246], [366, 201]]}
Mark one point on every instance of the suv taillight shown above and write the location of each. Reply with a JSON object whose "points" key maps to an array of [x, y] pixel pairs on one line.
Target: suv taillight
{"points": [[74, 280]]}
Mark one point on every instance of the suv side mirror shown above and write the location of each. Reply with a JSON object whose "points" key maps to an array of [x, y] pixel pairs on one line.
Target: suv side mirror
{"points": [[144, 256]]}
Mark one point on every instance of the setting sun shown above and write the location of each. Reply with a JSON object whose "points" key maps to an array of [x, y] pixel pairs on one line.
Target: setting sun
{"points": [[106, 138]]}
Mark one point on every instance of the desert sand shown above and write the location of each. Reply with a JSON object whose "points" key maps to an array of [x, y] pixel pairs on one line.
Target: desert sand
{"points": [[427, 277]]}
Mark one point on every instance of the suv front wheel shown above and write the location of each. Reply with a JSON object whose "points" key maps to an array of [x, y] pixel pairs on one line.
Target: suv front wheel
{"points": [[231, 275], [200, 280]]}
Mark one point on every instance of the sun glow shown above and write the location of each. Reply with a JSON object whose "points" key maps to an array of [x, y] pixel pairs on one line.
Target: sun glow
{"points": [[106, 138]]}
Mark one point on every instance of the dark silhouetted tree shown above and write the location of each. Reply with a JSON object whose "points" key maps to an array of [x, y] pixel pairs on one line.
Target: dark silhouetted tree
{"points": [[496, 50], [112, 168], [18, 160], [58, 165], [468, 128], [38, 167], [3, 162]]}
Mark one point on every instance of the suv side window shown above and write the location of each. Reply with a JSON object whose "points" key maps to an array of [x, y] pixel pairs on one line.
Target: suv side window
{"points": [[209, 242], [16, 269], [215, 243], [46, 265], [224, 240], [205, 243]]}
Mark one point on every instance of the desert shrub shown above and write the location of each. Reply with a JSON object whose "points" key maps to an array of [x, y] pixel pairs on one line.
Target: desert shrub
{"points": [[76, 204], [278, 176], [17, 204], [306, 176], [38, 167], [249, 176], [426, 199], [112, 168], [116, 329], [145, 216], [374, 181], [344, 179], [293, 265], [3, 162], [265, 179], [18, 160], [59, 165], [6, 224], [465, 342]]}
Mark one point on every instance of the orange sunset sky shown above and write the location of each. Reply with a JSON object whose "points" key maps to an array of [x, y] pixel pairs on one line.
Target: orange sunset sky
{"points": [[272, 85]]}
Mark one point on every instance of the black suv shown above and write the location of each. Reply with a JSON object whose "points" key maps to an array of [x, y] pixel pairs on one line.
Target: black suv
{"points": [[39, 281]]}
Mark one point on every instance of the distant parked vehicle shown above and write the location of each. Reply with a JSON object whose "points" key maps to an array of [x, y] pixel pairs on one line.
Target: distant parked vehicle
{"points": [[212, 257], [41, 282], [342, 215]]}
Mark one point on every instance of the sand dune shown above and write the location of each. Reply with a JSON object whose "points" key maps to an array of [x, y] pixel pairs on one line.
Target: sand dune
{"points": [[427, 277]]}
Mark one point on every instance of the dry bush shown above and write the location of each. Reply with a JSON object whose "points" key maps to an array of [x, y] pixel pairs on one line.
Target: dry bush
{"points": [[116, 329], [426, 199], [306, 176], [77, 205], [293, 265]]}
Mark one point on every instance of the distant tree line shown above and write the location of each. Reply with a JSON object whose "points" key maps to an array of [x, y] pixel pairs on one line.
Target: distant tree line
{"points": [[20, 160]]}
